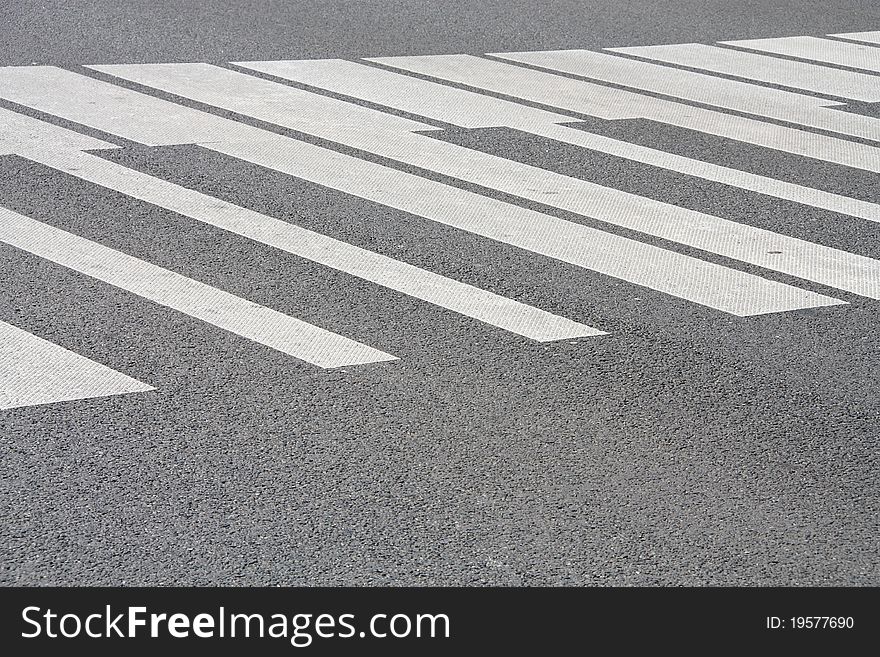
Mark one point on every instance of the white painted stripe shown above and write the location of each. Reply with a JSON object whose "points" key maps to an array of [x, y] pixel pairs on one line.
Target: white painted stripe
{"points": [[683, 276], [764, 68], [592, 99], [852, 55], [468, 109], [447, 293], [867, 37], [735, 95], [35, 371], [222, 309], [19, 133], [242, 93]]}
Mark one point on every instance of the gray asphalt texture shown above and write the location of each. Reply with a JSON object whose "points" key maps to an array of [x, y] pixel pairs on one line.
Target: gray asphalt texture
{"points": [[686, 447]]}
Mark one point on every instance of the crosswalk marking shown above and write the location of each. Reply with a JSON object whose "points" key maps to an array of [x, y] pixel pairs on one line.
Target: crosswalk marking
{"points": [[765, 68], [591, 99], [468, 92], [468, 109], [867, 37], [689, 278], [269, 101], [852, 55], [35, 371], [222, 309], [396, 275], [808, 111]]}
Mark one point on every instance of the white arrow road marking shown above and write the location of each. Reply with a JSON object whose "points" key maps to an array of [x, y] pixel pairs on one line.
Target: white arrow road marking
{"points": [[591, 99], [99, 104], [222, 309], [468, 109], [35, 371]]}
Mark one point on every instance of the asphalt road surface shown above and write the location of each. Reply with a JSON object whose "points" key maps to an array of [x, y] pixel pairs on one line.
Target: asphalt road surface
{"points": [[484, 304]]}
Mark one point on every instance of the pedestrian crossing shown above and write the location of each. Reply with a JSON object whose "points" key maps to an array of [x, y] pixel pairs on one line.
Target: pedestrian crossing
{"points": [[162, 122], [467, 109], [589, 98], [369, 129], [279, 104]]}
